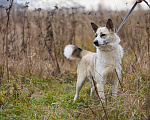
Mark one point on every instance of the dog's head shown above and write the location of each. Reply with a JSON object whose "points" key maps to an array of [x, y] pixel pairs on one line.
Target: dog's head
{"points": [[105, 38]]}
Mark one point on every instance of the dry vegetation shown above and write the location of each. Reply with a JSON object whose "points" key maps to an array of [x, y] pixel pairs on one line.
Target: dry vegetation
{"points": [[37, 82]]}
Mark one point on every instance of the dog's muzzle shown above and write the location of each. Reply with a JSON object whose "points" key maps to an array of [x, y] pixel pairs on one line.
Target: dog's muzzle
{"points": [[97, 44]]}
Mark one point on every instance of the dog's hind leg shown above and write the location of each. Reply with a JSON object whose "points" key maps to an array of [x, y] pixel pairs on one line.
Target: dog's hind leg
{"points": [[80, 82], [93, 87]]}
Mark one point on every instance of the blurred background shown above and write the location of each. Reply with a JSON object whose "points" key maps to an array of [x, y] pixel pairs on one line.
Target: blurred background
{"points": [[115, 5]]}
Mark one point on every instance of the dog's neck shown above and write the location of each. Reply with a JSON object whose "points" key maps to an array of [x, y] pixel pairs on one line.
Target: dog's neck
{"points": [[109, 56], [108, 48]]}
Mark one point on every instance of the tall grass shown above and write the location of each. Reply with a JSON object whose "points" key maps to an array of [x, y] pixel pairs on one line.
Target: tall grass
{"points": [[41, 82]]}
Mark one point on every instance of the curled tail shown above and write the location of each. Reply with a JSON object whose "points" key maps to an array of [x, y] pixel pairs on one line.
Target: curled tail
{"points": [[72, 52]]}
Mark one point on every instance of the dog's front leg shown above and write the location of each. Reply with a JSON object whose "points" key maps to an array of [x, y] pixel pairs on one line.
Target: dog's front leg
{"points": [[100, 90], [115, 88]]}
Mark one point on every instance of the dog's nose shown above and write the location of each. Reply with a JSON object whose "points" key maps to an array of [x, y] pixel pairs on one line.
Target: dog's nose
{"points": [[96, 42]]}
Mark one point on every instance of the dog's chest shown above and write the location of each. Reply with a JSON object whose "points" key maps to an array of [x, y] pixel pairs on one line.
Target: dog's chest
{"points": [[102, 66], [106, 61], [106, 71]]}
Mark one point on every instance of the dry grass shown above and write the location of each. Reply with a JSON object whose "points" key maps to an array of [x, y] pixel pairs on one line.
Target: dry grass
{"points": [[35, 60]]}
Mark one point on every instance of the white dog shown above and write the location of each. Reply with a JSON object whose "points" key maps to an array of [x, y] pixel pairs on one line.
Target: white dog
{"points": [[104, 66]]}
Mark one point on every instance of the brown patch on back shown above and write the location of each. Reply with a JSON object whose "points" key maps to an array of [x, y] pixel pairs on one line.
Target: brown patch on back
{"points": [[78, 52]]}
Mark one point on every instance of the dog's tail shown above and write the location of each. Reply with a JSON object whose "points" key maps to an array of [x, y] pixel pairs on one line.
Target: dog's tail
{"points": [[72, 52]]}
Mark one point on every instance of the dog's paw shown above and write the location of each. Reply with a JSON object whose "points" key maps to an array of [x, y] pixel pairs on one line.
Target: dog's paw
{"points": [[76, 97]]}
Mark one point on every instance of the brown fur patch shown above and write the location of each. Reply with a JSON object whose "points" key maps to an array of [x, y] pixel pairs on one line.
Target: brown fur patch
{"points": [[78, 52]]}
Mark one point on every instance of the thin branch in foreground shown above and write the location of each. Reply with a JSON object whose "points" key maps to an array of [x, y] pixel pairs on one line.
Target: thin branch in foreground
{"points": [[100, 99], [119, 81], [7, 25]]}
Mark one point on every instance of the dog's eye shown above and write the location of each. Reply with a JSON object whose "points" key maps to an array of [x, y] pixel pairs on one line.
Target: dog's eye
{"points": [[102, 35]]}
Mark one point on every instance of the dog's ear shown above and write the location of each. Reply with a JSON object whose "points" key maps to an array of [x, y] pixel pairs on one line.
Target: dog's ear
{"points": [[110, 25], [94, 26]]}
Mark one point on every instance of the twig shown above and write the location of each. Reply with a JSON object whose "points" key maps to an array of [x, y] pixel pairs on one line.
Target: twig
{"points": [[90, 108], [119, 81], [100, 99], [8, 15]]}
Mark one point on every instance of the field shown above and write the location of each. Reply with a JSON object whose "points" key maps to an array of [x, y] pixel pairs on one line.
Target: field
{"points": [[38, 82]]}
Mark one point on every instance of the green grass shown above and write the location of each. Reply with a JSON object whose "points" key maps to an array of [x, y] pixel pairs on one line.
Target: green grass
{"points": [[52, 98], [38, 99]]}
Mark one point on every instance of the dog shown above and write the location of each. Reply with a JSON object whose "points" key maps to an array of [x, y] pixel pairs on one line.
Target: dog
{"points": [[101, 67]]}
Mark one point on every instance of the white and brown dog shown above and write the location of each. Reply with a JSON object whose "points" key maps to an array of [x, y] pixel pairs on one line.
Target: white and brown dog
{"points": [[104, 66]]}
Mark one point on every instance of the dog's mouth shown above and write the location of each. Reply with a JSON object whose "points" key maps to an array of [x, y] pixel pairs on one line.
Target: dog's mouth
{"points": [[105, 43], [97, 44]]}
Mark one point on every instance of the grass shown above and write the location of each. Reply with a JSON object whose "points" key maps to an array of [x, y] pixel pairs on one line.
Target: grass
{"points": [[45, 99], [52, 98]]}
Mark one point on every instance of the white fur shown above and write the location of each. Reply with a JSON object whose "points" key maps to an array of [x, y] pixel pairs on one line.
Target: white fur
{"points": [[68, 50]]}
